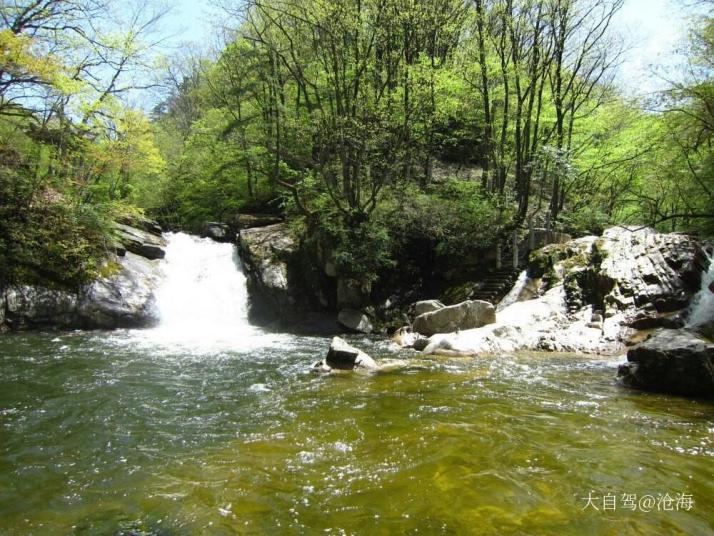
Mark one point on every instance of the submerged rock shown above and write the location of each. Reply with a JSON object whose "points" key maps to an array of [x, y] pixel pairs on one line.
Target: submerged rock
{"points": [[343, 356], [465, 315], [671, 361], [355, 321]]}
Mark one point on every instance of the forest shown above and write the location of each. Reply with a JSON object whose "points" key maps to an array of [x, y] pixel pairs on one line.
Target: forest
{"points": [[387, 128]]}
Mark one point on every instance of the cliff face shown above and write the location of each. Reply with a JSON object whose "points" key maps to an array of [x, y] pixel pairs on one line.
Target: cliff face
{"points": [[592, 293]]}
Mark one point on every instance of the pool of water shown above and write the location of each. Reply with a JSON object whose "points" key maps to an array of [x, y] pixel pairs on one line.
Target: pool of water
{"points": [[121, 433]]}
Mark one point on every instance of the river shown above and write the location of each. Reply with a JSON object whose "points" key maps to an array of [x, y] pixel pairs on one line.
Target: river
{"points": [[207, 425]]}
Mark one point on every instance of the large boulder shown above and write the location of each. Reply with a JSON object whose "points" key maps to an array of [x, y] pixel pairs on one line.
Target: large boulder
{"points": [[140, 242], [427, 306], [220, 232], [28, 307], [123, 299], [343, 356], [671, 361], [465, 315], [355, 321], [267, 254]]}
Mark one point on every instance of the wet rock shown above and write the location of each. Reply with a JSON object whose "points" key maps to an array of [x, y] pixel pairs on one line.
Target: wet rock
{"points": [[420, 343], [355, 321], [140, 242], [124, 299], [465, 315], [671, 361], [267, 253], [30, 307], [343, 356], [220, 232], [427, 306]]}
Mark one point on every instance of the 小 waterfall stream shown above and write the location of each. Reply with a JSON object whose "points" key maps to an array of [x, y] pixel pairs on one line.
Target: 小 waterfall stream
{"points": [[208, 425]]}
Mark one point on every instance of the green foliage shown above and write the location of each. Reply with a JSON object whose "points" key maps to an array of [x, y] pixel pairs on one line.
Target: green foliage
{"points": [[46, 237]]}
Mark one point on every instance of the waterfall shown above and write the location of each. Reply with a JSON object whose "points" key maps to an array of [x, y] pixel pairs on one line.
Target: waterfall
{"points": [[202, 300], [701, 309], [515, 292]]}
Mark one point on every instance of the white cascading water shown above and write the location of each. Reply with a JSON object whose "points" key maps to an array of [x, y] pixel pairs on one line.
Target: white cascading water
{"points": [[514, 293], [203, 300], [701, 309]]}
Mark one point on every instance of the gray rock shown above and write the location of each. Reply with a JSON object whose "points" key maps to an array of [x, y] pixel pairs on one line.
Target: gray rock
{"points": [[427, 306], [143, 223], [220, 232], [465, 315], [140, 242], [343, 356], [355, 321], [420, 343], [125, 299], [267, 252], [671, 361], [251, 221], [30, 307]]}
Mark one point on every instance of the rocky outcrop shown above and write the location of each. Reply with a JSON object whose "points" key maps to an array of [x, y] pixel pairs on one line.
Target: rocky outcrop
{"points": [[591, 291], [140, 242], [267, 253], [465, 315], [220, 232], [250, 221], [343, 356], [671, 361], [141, 222], [355, 321], [427, 306], [123, 299]]}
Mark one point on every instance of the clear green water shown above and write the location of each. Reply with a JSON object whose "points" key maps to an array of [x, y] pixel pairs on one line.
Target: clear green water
{"points": [[106, 433]]}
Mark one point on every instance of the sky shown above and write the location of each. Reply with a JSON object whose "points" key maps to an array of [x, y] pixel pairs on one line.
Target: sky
{"points": [[653, 30]]}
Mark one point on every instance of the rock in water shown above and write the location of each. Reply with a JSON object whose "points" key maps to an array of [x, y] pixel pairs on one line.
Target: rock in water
{"points": [[343, 356], [220, 232], [427, 306], [355, 321], [464, 315], [125, 299], [671, 361], [266, 253]]}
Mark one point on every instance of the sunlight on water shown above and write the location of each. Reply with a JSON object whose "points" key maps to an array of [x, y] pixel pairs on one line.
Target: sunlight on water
{"points": [[208, 425]]}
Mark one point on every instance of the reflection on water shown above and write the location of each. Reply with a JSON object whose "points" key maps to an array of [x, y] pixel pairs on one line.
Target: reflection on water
{"points": [[109, 432]]}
